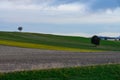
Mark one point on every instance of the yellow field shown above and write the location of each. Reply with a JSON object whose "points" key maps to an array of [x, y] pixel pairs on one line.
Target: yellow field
{"points": [[41, 46]]}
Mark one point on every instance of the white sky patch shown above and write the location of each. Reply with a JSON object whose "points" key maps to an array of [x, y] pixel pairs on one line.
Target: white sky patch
{"points": [[74, 34], [107, 34], [71, 7], [109, 11]]}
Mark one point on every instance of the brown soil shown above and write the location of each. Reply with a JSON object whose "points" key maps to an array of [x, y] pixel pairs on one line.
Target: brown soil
{"points": [[16, 59]]}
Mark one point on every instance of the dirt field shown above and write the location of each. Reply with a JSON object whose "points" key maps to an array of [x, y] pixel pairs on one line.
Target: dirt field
{"points": [[15, 59]]}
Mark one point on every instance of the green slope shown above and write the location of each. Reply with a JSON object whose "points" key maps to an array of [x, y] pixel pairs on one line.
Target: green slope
{"points": [[55, 42], [103, 72]]}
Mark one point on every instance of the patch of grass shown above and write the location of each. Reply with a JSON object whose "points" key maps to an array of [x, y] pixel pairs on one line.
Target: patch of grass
{"points": [[102, 72], [65, 42], [42, 46]]}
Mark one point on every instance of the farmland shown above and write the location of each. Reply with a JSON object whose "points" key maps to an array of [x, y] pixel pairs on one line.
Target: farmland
{"points": [[33, 56], [17, 59], [104, 72], [55, 42]]}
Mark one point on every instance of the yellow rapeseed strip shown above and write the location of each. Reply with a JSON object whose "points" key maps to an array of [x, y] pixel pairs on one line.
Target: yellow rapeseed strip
{"points": [[41, 46]]}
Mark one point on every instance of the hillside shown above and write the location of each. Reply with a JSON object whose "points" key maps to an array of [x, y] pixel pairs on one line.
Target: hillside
{"points": [[55, 42], [103, 72]]}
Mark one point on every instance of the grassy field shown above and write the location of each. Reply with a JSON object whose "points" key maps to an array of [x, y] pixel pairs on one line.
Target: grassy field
{"points": [[103, 72], [64, 43], [55, 42]]}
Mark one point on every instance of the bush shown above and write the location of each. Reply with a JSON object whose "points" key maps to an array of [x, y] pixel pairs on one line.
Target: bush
{"points": [[95, 40]]}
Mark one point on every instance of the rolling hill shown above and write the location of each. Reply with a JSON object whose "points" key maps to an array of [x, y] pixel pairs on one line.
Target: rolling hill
{"points": [[99, 72], [55, 42]]}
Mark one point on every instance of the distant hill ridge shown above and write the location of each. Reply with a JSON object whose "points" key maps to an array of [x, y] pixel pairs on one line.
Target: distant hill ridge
{"points": [[69, 43]]}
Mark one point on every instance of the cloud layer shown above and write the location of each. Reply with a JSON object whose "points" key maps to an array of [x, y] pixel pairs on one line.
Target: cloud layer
{"points": [[60, 11]]}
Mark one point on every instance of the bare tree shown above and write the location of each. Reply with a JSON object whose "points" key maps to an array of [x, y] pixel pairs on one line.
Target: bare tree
{"points": [[20, 28]]}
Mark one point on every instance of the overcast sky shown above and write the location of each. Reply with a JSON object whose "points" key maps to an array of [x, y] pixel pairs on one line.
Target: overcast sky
{"points": [[73, 17]]}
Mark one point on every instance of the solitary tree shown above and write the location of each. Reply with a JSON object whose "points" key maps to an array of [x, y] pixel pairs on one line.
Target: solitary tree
{"points": [[95, 40], [20, 28]]}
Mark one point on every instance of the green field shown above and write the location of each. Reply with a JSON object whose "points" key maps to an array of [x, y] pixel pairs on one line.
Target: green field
{"points": [[103, 72], [64, 43], [55, 42]]}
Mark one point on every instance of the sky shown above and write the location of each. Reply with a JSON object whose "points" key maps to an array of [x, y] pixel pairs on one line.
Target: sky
{"points": [[65, 17]]}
